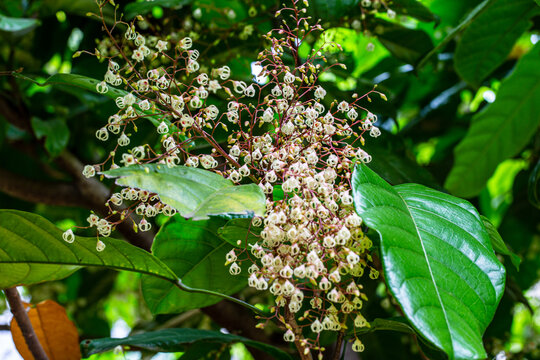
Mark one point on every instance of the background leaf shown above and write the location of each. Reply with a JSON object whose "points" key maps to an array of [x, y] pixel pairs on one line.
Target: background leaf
{"points": [[412, 8], [194, 251], [501, 130], [56, 134], [56, 333], [437, 259], [173, 340], [33, 251], [405, 44], [17, 26], [488, 40], [194, 193], [141, 8]]}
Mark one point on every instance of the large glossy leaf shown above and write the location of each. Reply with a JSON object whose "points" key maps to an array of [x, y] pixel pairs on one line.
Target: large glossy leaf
{"points": [[194, 251], [194, 193], [490, 37], [32, 250], [437, 259], [501, 130], [174, 340]]}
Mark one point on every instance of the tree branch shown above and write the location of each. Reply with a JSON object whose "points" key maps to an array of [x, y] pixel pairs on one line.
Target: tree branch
{"points": [[20, 315], [51, 193]]}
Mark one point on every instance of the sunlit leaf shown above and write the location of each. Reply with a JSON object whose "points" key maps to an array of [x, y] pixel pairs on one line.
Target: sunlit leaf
{"points": [[194, 193]]}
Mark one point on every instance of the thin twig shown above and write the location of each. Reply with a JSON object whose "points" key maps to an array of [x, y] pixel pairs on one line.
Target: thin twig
{"points": [[339, 345], [28, 333]]}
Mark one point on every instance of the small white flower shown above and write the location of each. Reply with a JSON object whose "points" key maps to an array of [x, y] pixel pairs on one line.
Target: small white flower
{"points": [[68, 236], [89, 171]]}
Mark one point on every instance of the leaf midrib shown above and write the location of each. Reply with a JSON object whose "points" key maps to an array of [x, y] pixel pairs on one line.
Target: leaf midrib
{"points": [[431, 275]]}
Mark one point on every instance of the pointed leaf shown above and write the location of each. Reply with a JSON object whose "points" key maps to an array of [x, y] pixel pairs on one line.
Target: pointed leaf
{"points": [[194, 251], [173, 340], [32, 250], [194, 193], [501, 130], [489, 39], [437, 259], [498, 243]]}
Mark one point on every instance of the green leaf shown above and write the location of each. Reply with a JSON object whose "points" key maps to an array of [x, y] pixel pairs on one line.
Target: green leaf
{"points": [[56, 134], [407, 45], [329, 10], [17, 26], [473, 14], [174, 340], [239, 229], [437, 259], [140, 8], [498, 243], [194, 193], [486, 43], [194, 251], [500, 131], [413, 8], [89, 84], [33, 251]]}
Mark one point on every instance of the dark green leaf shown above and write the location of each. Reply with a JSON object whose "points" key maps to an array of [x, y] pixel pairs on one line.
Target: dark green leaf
{"points": [[89, 84], [329, 10], [33, 251], [17, 26], [194, 193], [533, 187], [413, 8], [406, 44], [239, 229], [501, 130], [490, 37], [140, 8], [473, 14], [498, 243], [56, 134], [437, 259], [173, 340], [194, 251]]}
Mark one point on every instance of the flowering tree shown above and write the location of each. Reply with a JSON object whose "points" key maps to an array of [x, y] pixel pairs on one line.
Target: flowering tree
{"points": [[272, 178]]}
